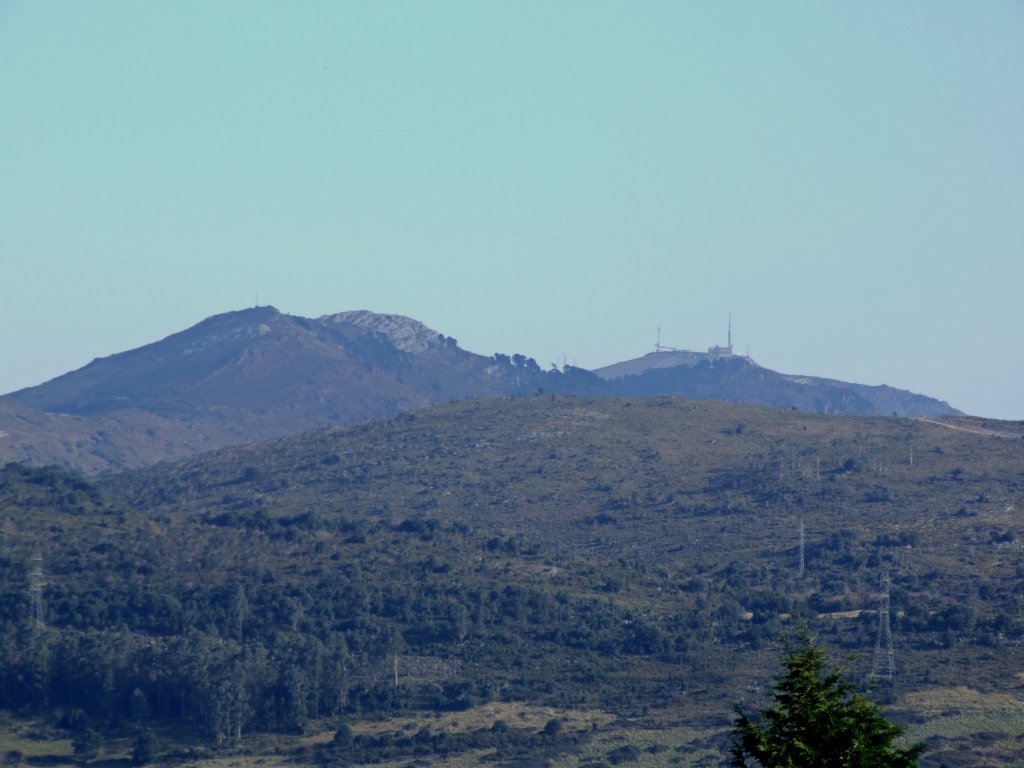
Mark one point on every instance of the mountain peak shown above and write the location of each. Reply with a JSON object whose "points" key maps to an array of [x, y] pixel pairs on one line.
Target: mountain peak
{"points": [[404, 333], [669, 358], [249, 323], [257, 373]]}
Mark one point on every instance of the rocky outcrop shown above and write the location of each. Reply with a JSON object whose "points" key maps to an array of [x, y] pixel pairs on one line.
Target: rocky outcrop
{"points": [[404, 333]]}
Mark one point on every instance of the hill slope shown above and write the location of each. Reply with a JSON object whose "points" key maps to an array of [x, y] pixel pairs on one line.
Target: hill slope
{"points": [[260, 371], [738, 379], [250, 375], [236, 378], [628, 557]]}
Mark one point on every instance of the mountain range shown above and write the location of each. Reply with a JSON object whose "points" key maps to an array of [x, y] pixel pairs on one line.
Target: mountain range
{"points": [[257, 373], [476, 550]]}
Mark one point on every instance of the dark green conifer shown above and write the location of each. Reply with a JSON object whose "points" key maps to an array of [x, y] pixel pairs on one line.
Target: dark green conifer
{"points": [[818, 720]]}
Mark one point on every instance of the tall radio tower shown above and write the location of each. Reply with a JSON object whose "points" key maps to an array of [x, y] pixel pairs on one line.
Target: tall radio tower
{"points": [[884, 664]]}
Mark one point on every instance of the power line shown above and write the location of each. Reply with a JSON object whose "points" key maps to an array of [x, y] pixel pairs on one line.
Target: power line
{"points": [[884, 664], [36, 582]]}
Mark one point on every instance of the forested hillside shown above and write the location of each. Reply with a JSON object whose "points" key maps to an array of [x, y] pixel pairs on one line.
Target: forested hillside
{"points": [[624, 563]]}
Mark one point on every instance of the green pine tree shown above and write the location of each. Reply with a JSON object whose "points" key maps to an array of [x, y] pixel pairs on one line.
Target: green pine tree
{"points": [[818, 720]]}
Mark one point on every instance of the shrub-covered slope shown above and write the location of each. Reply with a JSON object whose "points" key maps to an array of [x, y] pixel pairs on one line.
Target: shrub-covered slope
{"points": [[635, 556]]}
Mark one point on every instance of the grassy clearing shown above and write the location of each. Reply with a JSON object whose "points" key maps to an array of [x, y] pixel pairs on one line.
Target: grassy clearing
{"points": [[647, 746], [516, 714], [650, 748], [942, 700], [959, 712], [32, 740], [242, 761], [966, 727], [471, 759], [272, 751]]}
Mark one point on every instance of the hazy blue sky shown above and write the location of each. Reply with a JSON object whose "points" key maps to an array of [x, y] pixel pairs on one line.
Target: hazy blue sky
{"points": [[550, 178]]}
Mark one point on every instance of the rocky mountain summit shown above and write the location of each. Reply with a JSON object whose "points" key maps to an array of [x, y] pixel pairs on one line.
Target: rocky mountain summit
{"points": [[403, 333], [257, 373], [246, 376]]}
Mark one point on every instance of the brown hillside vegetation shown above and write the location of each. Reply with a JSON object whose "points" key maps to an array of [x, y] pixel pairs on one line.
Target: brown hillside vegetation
{"points": [[545, 466], [636, 558]]}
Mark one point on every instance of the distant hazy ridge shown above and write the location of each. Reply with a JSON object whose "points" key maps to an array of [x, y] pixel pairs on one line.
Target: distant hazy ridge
{"points": [[253, 374]]}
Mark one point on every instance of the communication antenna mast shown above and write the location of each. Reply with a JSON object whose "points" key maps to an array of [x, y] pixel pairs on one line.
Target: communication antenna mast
{"points": [[884, 664], [659, 347], [36, 583], [730, 330]]}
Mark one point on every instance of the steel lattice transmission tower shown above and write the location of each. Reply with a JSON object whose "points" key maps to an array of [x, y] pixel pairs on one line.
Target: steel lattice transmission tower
{"points": [[36, 583], [884, 664]]}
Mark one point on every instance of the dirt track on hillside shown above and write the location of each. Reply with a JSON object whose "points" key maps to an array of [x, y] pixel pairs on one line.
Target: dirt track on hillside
{"points": [[973, 430]]}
